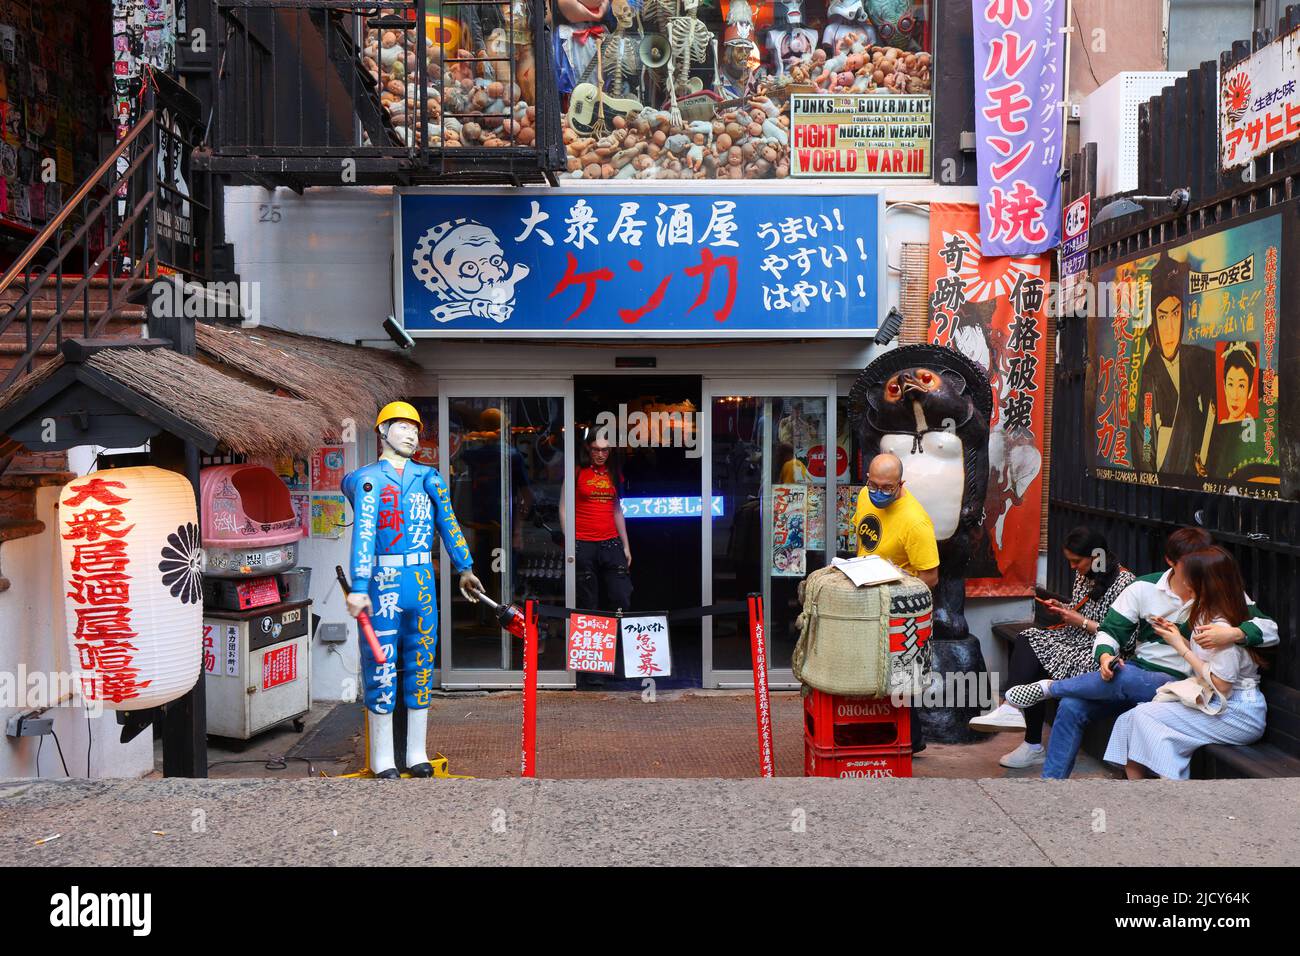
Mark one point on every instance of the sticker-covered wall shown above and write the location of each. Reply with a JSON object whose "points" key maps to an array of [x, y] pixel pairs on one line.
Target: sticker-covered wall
{"points": [[54, 75], [144, 34]]}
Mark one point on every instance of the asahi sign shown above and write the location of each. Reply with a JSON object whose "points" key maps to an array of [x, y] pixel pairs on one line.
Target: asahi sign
{"points": [[866, 135], [1259, 103]]}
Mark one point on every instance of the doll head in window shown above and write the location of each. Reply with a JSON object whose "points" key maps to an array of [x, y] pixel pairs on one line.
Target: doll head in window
{"points": [[583, 11]]}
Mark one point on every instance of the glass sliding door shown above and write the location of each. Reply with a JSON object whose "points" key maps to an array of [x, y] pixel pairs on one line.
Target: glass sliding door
{"points": [[504, 459], [766, 459]]}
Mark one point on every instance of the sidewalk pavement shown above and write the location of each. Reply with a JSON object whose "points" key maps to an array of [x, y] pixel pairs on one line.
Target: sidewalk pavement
{"points": [[905, 822], [592, 734]]}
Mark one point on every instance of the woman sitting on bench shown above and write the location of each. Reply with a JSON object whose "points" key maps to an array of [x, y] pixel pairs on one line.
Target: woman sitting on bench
{"points": [[1133, 659], [1158, 738], [1060, 650]]}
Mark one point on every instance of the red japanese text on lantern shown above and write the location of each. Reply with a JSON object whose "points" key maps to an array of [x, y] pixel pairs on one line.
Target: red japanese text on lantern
{"points": [[100, 589]]}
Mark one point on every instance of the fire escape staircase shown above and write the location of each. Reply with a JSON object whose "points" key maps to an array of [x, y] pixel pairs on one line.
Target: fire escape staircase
{"points": [[87, 274]]}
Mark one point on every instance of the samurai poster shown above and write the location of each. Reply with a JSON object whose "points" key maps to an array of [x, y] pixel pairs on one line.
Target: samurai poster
{"points": [[1183, 364], [992, 309]]}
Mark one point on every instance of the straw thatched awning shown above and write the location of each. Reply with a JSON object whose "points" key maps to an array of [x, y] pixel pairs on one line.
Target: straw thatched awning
{"points": [[346, 381], [258, 393], [246, 420]]}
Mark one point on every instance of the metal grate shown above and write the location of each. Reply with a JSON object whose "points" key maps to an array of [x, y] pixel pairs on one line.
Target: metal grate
{"points": [[341, 91]]}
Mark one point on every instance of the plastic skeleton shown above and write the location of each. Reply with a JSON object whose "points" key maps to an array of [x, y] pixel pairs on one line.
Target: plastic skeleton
{"points": [[689, 41], [619, 50], [659, 12]]}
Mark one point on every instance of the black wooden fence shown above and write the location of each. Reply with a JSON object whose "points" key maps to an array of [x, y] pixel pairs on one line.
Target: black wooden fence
{"points": [[1178, 147]]}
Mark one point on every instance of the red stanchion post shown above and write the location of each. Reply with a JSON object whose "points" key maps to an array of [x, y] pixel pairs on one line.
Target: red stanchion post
{"points": [[528, 761], [762, 698]]}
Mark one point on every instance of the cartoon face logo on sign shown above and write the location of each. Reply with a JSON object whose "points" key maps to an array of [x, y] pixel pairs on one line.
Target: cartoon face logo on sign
{"points": [[462, 263]]}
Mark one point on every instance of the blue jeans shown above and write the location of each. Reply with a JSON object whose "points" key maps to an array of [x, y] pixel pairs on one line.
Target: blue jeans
{"points": [[1086, 697]]}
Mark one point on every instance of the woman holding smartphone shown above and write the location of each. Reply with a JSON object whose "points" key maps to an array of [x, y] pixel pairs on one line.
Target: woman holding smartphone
{"points": [[1159, 738], [1059, 650]]}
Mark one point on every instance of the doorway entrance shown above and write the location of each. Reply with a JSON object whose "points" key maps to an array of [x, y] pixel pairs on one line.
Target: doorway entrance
{"points": [[654, 422], [503, 450], [769, 461]]}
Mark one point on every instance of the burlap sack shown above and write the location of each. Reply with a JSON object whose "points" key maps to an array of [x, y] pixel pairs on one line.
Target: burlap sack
{"points": [[844, 645]]}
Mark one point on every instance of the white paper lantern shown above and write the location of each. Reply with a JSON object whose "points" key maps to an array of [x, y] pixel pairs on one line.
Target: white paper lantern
{"points": [[132, 585]]}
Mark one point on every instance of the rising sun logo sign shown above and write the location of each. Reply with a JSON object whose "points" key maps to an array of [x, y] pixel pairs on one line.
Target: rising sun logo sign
{"points": [[1238, 93]]}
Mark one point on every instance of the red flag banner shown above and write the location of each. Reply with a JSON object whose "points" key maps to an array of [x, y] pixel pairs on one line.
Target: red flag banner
{"points": [[993, 309]]}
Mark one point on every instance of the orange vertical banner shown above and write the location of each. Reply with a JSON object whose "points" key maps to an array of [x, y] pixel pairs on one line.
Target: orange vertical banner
{"points": [[993, 309]]}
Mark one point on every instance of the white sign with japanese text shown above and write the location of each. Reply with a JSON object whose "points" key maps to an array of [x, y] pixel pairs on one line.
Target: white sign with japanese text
{"points": [[1259, 105], [645, 646]]}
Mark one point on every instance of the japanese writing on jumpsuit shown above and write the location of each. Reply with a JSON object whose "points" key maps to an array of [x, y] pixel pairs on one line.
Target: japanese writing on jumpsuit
{"points": [[392, 558]]}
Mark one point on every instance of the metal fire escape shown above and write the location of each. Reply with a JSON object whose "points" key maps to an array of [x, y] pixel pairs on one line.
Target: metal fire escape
{"points": [[336, 92]]}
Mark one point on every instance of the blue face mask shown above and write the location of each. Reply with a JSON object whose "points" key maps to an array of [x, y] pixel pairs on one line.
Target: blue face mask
{"points": [[880, 499]]}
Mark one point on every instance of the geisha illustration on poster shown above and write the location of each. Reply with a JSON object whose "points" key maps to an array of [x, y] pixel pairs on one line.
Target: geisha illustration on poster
{"points": [[1183, 362]]}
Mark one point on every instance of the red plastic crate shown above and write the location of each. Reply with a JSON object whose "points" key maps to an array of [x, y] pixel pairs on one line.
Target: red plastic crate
{"points": [[851, 763], [834, 721]]}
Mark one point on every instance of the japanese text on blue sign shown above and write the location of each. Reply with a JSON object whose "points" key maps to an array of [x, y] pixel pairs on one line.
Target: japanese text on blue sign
{"points": [[559, 263]]}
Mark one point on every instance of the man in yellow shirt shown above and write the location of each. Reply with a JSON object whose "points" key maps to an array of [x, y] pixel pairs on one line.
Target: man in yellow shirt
{"points": [[892, 524]]}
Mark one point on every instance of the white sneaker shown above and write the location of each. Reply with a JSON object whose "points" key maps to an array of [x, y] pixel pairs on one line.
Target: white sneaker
{"points": [[1002, 718], [1026, 755]]}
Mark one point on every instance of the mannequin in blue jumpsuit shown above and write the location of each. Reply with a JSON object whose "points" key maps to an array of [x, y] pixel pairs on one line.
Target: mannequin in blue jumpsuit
{"points": [[398, 504]]}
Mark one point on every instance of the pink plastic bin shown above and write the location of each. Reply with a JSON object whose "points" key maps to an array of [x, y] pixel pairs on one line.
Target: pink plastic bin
{"points": [[245, 507]]}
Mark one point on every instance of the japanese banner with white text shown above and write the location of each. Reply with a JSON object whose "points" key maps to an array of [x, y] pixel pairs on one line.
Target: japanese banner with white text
{"points": [[1018, 135], [556, 264]]}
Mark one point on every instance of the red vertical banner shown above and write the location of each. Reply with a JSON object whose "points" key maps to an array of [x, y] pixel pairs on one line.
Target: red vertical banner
{"points": [[993, 309], [528, 759], [762, 698]]}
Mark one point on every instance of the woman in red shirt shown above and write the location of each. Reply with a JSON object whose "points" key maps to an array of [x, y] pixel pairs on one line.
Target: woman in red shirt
{"points": [[603, 556]]}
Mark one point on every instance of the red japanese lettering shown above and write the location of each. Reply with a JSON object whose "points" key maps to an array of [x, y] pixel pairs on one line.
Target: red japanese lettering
{"points": [[97, 488], [588, 280], [708, 263]]}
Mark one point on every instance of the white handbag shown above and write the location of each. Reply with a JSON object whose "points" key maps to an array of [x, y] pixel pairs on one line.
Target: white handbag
{"points": [[1195, 693]]}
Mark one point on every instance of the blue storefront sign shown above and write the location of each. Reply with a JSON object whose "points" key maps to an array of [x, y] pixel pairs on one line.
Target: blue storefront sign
{"points": [[558, 263]]}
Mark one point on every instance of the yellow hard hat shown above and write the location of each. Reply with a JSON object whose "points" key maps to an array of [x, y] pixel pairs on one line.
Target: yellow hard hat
{"points": [[398, 410]]}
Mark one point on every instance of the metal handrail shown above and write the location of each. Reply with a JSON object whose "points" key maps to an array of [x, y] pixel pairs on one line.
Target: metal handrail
{"points": [[51, 228], [125, 198], [72, 242]]}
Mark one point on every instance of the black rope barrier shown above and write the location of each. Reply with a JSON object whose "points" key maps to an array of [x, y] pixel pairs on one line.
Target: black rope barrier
{"points": [[556, 612]]}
